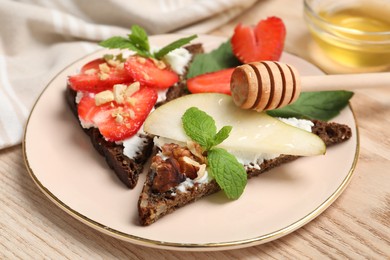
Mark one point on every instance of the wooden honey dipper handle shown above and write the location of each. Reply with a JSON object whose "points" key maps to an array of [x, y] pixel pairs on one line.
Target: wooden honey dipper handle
{"points": [[345, 81], [268, 85]]}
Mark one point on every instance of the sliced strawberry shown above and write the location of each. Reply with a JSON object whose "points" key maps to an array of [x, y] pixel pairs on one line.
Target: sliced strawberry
{"points": [[149, 74], [263, 42], [117, 122], [93, 79], [87, 109], [217, 82], [94, 64]]}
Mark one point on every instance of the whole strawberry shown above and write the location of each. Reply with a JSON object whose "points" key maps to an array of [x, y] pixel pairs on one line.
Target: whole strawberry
{"points": [[265, 41]]}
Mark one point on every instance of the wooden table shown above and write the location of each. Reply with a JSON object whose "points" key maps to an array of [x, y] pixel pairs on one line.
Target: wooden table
{"points": [[356, 226]]}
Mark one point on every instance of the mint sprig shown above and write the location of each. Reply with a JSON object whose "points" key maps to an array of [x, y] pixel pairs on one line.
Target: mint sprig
{"points": [[224, 167], [138, 41]]}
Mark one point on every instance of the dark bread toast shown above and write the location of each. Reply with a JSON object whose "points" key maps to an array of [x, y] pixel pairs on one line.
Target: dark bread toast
{"points": [[153, 205], [128, 169]]}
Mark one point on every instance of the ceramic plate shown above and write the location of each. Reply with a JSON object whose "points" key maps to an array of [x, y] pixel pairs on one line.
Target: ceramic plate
{"points": [[65, 166]]}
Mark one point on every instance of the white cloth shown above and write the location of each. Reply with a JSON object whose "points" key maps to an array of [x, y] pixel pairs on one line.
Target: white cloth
{"points": [[38, 38]]}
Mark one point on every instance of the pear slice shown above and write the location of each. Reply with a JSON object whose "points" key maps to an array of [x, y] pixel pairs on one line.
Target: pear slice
{"points": [[252, 131]]}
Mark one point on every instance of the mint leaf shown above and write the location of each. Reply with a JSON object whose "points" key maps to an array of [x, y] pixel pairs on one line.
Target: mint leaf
{"points": [[218, 59], [222, 135], [173, 45], [139, 38], [200, 127], [322, 105], [227, 171], [118, 42]]}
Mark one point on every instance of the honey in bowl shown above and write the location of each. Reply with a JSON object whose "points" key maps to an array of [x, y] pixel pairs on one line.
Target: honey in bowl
{"points": [[353, 33]]}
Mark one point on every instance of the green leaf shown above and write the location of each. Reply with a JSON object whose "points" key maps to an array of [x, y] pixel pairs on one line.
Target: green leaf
{"points": [[173, 45], [117, 42], [218, 59], [139, 38], [222, 135], [199, 126], [322, 105], [227, 171]]}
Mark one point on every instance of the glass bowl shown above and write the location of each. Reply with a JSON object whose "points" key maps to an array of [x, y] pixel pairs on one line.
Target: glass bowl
{"points": [[354, 33]]}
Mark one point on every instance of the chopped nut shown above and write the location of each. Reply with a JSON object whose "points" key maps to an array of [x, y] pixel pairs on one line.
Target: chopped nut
{"points": [[123, 93], [201, 168], [188, 160], [196, 150], [131, 101], [145, 75], [103, 67], [119, 118], [90, 72], [103, 76], [167, 149], [141, 60], [189, 164], [167, 175], [188, 167], [181, 152], [119, 90], [103, 97], [156, 160], [159, 64], [120, 66], [120, 115], [113, 63], [132, 88], [131, 114], [201, 172]]}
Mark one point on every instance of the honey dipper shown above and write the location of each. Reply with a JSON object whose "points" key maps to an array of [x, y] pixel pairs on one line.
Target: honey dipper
{"points": [[268, 84]]}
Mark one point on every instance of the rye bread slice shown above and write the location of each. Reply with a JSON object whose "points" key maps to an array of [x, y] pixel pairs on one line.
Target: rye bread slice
{"points": [[128, 169], [153, 205]]}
